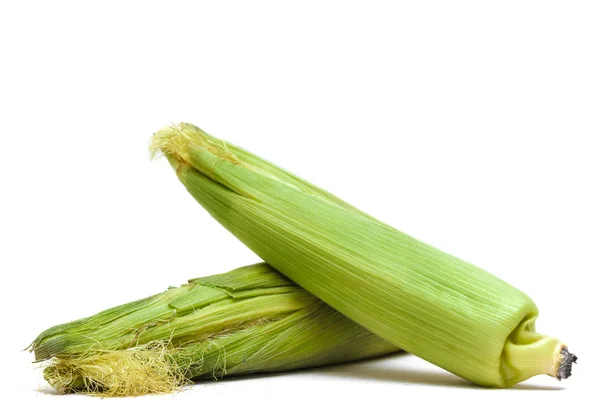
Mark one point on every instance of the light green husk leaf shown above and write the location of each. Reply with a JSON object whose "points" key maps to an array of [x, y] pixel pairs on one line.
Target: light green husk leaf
{"points": [[251, 319], [430, 303]]}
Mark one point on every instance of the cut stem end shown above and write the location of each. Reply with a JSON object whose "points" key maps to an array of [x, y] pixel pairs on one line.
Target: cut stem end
{"points": [[566, 361]]}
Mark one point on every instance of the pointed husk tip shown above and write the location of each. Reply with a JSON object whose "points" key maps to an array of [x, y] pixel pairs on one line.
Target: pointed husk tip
{"points": [[174, 140]]}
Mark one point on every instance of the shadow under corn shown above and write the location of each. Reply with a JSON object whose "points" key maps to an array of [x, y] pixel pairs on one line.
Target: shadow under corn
{"points": [[399, 369]]}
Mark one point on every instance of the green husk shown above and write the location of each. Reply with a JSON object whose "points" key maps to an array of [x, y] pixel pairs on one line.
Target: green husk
{"points": [[432, 304], [251, 319]]}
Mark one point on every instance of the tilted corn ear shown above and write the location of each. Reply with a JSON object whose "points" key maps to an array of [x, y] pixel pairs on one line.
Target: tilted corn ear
{"points": [[251, 319], [432, 304]]}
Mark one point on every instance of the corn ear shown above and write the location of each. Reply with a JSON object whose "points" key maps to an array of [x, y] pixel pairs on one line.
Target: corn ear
{"points": [[417, 297], [252, 319]]}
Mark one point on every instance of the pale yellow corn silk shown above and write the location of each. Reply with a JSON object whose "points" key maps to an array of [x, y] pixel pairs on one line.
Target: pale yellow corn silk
{"points": [[417, 297], [149, 369]]}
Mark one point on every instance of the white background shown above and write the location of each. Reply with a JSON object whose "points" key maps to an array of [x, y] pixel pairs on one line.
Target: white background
{"points": [[470, 125]]}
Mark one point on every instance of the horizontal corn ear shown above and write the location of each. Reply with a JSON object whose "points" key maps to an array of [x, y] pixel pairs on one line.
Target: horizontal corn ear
{"points": [[417, 297], [251, 319]]}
